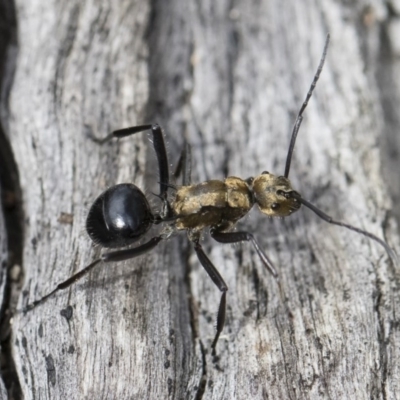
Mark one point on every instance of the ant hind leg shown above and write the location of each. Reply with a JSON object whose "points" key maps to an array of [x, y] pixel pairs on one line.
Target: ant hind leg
{"points": [[118, 255], [159, 148]]}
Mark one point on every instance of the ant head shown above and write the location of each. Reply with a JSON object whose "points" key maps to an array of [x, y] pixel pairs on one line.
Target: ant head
{"points": [[274, 195]]}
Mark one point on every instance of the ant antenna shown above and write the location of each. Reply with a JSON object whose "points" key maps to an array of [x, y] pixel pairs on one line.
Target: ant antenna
{"points": [[330, 220], [299, 118]]}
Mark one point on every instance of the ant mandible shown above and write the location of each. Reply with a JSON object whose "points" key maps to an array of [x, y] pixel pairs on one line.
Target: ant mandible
{"points": [[121, 215]]}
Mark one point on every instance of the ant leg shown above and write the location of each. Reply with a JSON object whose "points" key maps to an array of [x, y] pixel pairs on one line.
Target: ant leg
{"points": [[185, 165], [119, 133], [162, 158], [159, 147], [118, 255], [234, 237], [220, 283]]}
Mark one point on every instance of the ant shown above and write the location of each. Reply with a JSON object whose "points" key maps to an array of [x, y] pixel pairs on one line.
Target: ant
{"points": [[121, 215]]}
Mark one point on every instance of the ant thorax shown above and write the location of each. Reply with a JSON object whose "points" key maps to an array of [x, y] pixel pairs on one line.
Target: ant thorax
{"points": [[274, 195], [212, 203]]}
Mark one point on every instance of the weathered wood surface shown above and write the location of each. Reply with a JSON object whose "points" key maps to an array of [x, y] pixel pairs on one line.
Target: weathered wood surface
{"points": [[10, 207], [3, 274], [229, 77]]}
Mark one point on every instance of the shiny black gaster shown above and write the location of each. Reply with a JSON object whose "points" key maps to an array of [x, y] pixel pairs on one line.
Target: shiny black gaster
{"points": [[119, 216]]}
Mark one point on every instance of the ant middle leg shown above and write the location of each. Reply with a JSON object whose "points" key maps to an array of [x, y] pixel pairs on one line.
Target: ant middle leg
{"points": [[235, 237], [118, 255], [184, 165], [219, 282]]}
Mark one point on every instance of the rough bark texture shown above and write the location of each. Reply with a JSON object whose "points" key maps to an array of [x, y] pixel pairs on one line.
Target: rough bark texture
{"points": [[10, 207], [229, 77], [3, 274]]}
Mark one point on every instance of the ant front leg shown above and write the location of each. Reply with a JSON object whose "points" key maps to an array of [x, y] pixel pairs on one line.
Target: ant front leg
{"points": [[118, 255], [235, 237], [219, 282]]}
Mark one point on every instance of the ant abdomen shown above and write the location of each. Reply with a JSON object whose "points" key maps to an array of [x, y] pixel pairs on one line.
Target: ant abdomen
{"points": [[119, 216]]}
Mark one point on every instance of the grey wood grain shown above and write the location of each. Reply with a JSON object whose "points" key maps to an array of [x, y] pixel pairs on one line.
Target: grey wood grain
{"points": [[10, 209], [229, 77], [3, 278]]}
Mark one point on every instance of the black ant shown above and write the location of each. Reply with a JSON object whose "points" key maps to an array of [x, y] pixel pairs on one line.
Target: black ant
{"points": [[121, 215]]}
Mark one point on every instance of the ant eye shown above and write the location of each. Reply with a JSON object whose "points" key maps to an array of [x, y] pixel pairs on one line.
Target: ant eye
{"points": [[275, 206], [265, 173], [280, 193], [249, 180]]}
